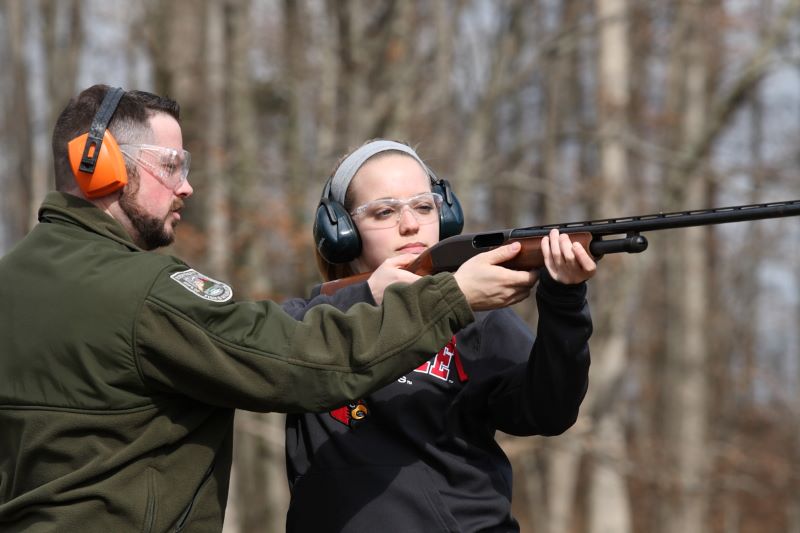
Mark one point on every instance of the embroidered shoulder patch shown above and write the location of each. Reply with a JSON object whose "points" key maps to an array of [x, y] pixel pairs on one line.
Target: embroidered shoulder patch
{"points": [[203, 286]]}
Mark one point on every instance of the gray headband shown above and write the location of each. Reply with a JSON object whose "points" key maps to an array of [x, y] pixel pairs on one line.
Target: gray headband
{"points": [[344, 174]]}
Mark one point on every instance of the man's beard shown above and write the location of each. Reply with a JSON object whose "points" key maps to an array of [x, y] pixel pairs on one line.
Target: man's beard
{"points": [[151, 230]]}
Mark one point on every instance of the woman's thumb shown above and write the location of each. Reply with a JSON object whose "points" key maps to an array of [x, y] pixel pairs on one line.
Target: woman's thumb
{"points": [[501, 254]]}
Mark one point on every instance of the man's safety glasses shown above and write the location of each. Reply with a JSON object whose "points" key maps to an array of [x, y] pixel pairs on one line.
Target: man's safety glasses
{"points": [[386, 212], [169, 166]]}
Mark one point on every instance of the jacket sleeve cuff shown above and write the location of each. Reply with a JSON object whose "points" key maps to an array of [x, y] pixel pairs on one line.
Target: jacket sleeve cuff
{"points": [[451, 293], [559, 293]]}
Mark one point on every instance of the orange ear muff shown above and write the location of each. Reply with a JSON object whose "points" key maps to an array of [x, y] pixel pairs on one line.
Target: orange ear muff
{"points": [[95, 157], [109, 172]]}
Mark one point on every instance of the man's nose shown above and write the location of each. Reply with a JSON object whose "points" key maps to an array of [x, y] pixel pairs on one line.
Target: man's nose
{"points": [[185, 190]]}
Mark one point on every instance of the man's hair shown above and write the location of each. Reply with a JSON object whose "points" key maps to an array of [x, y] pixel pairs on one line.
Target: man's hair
{"points": [[130, 124]]}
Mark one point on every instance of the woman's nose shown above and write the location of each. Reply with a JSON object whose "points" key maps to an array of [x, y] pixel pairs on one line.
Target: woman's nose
{"points": [[408, 221]]}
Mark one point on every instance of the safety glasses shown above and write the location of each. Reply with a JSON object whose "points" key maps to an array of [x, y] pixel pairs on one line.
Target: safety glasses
{"points": [[386, 212], [167, 165]]}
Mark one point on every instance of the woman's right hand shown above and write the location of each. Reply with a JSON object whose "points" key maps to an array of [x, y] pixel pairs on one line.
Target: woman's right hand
{"points": [[487, 285], [391, 271]]}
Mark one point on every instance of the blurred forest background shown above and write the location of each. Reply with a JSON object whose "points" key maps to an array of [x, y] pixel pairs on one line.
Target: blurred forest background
{"points": [[538, 111]]}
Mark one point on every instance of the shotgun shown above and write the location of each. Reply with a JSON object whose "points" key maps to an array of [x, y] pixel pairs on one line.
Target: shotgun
{"points": [[447, 255]]}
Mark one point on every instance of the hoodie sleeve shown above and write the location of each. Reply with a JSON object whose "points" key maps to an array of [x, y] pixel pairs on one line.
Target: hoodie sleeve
{"points": [[542, 395], [342, 299]]}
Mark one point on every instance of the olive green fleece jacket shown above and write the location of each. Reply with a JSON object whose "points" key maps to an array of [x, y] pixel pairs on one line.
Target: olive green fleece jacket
{"points": [[120, 371]]}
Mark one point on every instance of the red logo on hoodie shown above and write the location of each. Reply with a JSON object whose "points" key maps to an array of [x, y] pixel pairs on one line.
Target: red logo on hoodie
{"points": [[439, 366], [352, 413]]}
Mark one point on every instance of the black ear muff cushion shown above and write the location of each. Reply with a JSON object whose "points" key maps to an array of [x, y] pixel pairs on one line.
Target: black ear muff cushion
{"points": [[335, 233], [451, 216]]}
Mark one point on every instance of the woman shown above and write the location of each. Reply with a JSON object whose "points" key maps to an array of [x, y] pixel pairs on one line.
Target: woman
{"points": [[420, 454]]}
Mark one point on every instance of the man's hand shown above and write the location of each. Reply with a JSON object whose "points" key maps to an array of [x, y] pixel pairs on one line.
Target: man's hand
{"points": [[489, 286], [391, 271], [568, 262]]}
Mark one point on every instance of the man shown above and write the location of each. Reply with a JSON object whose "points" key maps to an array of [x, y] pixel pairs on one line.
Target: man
{"points": [[121, 368]]}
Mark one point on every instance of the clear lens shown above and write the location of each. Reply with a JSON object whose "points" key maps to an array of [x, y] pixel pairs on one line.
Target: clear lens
{"points": [[386, 213], [169, 166]]}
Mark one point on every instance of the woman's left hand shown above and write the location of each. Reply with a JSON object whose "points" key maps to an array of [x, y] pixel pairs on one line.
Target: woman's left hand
{"points": [[568, 262], [391, 271]]}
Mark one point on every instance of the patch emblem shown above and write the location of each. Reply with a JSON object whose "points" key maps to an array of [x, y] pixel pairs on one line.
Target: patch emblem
{"points": [[203, 286]]}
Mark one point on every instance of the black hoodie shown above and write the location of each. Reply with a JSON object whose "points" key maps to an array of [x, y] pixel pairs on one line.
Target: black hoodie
{"points": [[419, 454]]}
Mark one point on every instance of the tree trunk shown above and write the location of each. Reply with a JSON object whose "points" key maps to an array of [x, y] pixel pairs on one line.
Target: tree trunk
{"points": [[609, 507], [299, 177], [438, 99], [217, 198], [63, 40], [563, 463], [329, 72], [472, 164], [19, 113], [354, 53], [686, 410], [793, 505]]}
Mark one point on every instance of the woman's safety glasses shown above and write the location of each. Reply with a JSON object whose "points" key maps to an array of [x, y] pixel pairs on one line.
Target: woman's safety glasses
{"points": [[386, 212], [167, 165]]}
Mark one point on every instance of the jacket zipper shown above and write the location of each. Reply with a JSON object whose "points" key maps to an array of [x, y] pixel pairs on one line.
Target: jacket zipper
{"points": [[185, 514], [150, 511]]}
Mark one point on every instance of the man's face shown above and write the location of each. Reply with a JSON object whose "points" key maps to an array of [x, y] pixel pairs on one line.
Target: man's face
{"points": [[152, 207]]}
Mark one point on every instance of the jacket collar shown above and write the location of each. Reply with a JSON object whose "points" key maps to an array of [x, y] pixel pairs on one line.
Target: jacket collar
{"points": [[62, 207]]}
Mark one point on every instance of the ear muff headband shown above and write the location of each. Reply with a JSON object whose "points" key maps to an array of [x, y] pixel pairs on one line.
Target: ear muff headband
{"points": [[336, 235], [95, 157]]}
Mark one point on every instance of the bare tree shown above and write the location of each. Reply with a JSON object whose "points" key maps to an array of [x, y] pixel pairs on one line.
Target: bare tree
{"points": [[215, 148], [62, 28], [19, 113], [478, 126], [609, 505], [686, 412], [793, 504]]}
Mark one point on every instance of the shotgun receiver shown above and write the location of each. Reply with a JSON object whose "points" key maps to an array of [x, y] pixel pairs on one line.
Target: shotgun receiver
{"points": [[449, 254]]}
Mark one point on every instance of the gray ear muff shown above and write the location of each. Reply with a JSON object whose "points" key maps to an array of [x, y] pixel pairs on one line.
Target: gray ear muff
{"points": [[335, 234], [451, 216]]}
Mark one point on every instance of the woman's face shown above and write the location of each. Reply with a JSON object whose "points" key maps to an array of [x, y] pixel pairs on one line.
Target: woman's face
{"points": [[391, 176]]}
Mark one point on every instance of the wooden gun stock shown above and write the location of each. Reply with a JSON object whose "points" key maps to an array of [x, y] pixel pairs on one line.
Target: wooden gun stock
{"points": [[449, 254]]}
